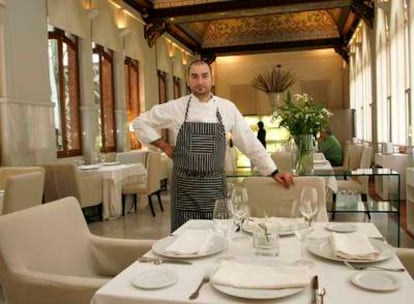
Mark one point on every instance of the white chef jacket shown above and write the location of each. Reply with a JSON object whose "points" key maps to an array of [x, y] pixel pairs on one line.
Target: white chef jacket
{"points": [[170, 115]]}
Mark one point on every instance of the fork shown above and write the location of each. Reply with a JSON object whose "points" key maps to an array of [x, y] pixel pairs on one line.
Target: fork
{"points": [[194, 295], [359, 267]]}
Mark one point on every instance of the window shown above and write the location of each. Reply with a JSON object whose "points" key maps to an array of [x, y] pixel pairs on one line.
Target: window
{"points": [[104, 97], [162, 93], [64, 82], [132, 96]]}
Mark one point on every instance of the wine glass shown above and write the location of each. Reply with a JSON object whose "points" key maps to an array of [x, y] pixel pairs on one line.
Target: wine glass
{"points": [[239, 210], [308, 203], [222, 218], [301, 230]]}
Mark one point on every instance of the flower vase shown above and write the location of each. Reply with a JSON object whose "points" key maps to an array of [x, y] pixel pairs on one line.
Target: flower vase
{"points": [[304, 154], [274, 100]]}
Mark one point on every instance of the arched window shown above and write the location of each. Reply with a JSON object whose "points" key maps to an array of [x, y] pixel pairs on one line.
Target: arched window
{"points": [[64, 83]]}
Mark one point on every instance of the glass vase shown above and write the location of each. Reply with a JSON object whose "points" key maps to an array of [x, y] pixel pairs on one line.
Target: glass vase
{"points": [[304, 154]]}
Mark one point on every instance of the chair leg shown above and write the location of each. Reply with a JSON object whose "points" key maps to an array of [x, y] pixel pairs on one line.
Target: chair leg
{"points": [[135, 202], [123, 204], [364, 199], [100, 210], [159, 200], [151, 206], [333, 205]]}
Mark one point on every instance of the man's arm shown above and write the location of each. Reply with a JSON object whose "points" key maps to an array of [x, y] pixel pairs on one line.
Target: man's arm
{"points": [[164, 146]]}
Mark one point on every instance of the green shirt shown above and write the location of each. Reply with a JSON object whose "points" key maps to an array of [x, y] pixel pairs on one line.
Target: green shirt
{"points": [[332, 150]]}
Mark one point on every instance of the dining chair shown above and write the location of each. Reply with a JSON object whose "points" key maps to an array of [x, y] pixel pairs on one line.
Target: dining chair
{"points": [[148, 187], [132, 157], [266, 197], [345, 160], [48, 255], [406, 256], [62, 179], [23, 191], [358, 184], [6, 172]]}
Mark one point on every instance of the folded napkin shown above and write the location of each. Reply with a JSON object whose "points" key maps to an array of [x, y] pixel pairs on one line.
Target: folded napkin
{"points": [[241, 275], [352, 246], [191, 241]]}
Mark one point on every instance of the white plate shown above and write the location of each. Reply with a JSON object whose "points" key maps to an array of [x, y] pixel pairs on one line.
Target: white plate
{"points": [[258, 294], [343, 228], [154, 279], [115, 163], [88, 167], [376, 280], [217, 244], [322, 248]]}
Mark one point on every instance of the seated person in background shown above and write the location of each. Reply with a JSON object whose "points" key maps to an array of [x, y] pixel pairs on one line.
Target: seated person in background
{"points": [[330, 147]]}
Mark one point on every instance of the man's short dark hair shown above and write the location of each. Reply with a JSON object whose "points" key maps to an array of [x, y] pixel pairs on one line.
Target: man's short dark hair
{"points": [[198, 62]]}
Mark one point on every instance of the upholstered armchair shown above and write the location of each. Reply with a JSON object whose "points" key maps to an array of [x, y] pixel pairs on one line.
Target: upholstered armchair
{"points": [[48, 255]]}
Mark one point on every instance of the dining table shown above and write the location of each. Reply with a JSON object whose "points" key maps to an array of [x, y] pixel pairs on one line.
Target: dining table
{"points": [[340, 283], [114, 174]]}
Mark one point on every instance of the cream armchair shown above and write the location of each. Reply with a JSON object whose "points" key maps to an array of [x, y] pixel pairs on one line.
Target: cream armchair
{"points": [[6, 172], [406, 256], [48, 255]]}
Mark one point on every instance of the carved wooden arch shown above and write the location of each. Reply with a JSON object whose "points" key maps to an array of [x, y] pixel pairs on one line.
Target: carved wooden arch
{"points": [[364, 9], [153, 29]]}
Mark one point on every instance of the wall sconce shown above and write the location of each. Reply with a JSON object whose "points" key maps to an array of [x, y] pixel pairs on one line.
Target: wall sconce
{"points": [[124, 31]]}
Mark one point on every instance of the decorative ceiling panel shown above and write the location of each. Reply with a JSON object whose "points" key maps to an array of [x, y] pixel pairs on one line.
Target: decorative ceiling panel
{"points": [[177, 3], [266, 29]]}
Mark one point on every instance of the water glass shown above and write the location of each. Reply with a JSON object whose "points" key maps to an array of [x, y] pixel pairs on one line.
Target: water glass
{"points": [[266, 239]]}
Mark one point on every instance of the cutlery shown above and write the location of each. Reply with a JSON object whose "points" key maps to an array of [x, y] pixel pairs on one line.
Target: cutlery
{"points": [[194, 295], [360, 267], [315, 289], [158, 261]]}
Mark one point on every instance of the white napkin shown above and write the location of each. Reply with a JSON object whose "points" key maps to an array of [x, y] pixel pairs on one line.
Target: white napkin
{"points": [[240, 275], [352, 246], [191, 241]]}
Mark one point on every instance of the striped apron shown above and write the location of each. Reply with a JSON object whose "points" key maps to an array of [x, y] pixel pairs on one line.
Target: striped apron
{"points": [[198, 170]]}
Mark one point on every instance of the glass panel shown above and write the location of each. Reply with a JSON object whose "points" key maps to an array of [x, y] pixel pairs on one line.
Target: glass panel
{"points": [[55, 91]]}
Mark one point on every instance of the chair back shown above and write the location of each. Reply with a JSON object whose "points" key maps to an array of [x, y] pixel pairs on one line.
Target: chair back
{"points": [[50, 238], [366, 158], [283, 160], [6, 172], [355, 153], [154, 170], [23, 191], [60, 181], [132, 157], [268, 198], [346, 156]]}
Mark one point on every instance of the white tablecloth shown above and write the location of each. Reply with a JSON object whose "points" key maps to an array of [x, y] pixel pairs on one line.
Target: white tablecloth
{"points": [[1, 201], [326, 168], [334, 276], [113, 177]]}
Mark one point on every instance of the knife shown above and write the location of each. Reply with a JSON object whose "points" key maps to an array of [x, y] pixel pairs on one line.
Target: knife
{"points": [[315, 289], [158, 261]]}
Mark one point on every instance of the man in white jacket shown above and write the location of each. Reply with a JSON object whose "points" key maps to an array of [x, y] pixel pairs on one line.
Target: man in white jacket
{"points": [[201, 122]]}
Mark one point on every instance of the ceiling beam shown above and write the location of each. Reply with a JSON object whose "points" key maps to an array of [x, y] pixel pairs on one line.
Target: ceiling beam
{"points": [[242, 8]]}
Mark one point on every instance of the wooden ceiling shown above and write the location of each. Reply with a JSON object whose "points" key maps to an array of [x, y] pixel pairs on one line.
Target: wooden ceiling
{"points": [[229, 27]]}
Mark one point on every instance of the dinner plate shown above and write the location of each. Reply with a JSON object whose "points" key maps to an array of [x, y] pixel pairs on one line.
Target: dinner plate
{"points": [[375, 280], [217, 244], [155, 279], [257, 294], [254, 293], [89, 167], [322, 248], [343, 228]]}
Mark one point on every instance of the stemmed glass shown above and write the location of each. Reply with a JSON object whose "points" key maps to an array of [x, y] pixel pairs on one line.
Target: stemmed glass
{"points": [[222, 219], [239, 209], [308, 203]]}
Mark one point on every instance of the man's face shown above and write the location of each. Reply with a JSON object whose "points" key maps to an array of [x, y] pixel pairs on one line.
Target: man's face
{"points": [[200, 80]]}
